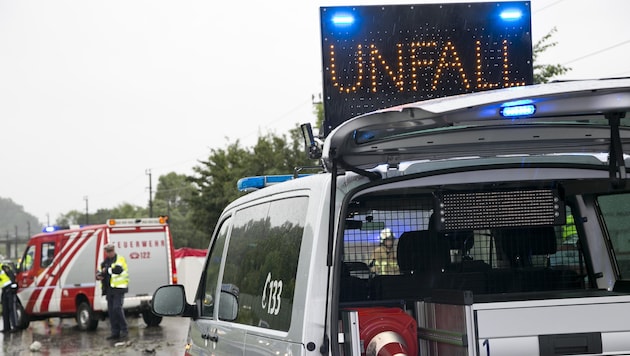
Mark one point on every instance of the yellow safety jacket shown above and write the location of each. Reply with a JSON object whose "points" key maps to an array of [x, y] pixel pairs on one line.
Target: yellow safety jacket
{"points": [[384, 261], [28, 262], [569, 229], [119, 280], [4, 278]]}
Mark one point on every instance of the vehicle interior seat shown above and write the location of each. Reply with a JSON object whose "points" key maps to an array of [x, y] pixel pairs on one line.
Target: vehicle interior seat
{"points": [[422, 251]]}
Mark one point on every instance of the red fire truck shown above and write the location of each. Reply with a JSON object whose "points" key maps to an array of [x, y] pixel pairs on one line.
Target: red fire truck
{"points": [[56, 274]]}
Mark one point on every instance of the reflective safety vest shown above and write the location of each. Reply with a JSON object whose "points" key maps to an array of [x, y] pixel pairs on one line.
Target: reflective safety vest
{"points": [[4, 278], [119, 280], [384, 261], [569, 229], [28, 262]]}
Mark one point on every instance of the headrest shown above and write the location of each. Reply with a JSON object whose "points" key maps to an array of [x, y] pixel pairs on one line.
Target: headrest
{"points": [[533, 240], [460, 240], [422, 250]]}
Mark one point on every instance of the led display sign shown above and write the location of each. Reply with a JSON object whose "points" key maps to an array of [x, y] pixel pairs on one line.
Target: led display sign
{"points": [[380, 56]]}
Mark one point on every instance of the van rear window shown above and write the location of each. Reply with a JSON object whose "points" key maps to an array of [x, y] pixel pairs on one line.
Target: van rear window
{"points": [[394, 249]]}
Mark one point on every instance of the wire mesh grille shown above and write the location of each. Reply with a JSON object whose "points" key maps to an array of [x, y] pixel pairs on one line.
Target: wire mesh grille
{"points": [[407, 258]]}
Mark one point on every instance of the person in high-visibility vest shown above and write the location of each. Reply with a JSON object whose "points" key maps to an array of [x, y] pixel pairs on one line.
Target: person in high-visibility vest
{"points": [[9, 288], [28, 262], [384, 259], [114, 277], [569, 232]]}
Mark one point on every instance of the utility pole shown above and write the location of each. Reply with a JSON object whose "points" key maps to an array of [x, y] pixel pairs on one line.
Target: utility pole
{"points": [[16, 242], [87, 219], [148, 172]]}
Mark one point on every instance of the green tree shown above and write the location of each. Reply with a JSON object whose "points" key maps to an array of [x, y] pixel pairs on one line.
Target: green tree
{"points": [[544, 72], [73, 217], [124, 210], [15, 221], [215, 178], [318, 111], [172, 198]]}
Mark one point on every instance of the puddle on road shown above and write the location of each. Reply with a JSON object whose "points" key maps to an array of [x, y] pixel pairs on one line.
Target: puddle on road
{"points": [[61, 337]]}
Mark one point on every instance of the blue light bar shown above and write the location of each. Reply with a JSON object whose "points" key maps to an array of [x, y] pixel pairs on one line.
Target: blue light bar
{"points": [[257, 182], [511, 14], [51, 228], [518, 110]]}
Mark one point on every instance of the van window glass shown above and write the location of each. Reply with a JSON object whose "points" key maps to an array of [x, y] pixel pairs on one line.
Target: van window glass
{"points": [[615, 210], [48, 253], [27, 260], [212, 271], [262, 259]]}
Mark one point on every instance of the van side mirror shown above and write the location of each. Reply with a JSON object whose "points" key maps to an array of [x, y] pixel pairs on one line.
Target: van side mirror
{"points": [[170, 300], [228, 306], [312, 148]]}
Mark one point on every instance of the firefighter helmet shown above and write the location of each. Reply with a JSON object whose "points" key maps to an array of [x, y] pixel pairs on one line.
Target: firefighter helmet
{"points": [[386, 233]]}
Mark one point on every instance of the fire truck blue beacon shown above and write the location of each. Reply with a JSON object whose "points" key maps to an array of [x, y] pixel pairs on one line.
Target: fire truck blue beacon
{"points": [[502, 211]]}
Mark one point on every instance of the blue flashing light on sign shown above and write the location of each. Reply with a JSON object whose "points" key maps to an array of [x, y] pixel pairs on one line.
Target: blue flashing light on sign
{"points": [[343, 20], [511, 14], [257, 182], [518, 110]]}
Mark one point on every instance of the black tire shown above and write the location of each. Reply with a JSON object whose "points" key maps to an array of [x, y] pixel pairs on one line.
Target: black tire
{"points": [[151, 319], [23, 321], [87, 320]]}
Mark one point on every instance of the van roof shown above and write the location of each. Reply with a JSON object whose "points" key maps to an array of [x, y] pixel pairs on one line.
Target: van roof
{"points": [[565, 117]]}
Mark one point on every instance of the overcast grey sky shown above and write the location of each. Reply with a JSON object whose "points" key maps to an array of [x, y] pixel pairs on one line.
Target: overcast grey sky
{"points": [[94, 93]]}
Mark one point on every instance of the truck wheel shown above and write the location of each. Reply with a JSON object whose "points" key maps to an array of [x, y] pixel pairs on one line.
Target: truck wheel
{"points": [[86, 318], [22, 319], [151, 319]]}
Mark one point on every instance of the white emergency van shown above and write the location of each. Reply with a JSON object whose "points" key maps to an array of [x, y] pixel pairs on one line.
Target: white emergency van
{"points": [[57, 272], [510, 211]]}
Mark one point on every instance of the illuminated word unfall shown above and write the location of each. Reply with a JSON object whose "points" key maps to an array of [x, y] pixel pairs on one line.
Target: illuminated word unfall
{"points": [[419, 66]]}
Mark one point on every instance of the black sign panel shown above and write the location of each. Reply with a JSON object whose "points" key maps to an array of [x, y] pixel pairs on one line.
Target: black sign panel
{"points": [[380, 56]]}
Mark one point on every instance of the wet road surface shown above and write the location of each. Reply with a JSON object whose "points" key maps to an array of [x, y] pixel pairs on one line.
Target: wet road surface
{"points": [[60, 337]]}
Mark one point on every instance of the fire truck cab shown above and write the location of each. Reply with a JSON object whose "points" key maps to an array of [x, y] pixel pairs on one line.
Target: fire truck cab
{"points": [[509, 215], [57, 272]]}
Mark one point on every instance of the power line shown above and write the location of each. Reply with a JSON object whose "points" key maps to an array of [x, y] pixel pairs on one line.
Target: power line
{"points": [[280, 117], [548, 6], [621, 74], [597, 52]]}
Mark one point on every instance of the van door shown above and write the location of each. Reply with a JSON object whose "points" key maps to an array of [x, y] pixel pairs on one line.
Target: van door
{"points": [[26, 270], [36, 278], [248, 289], [207, 332], [260, 267], [49, 282]]}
